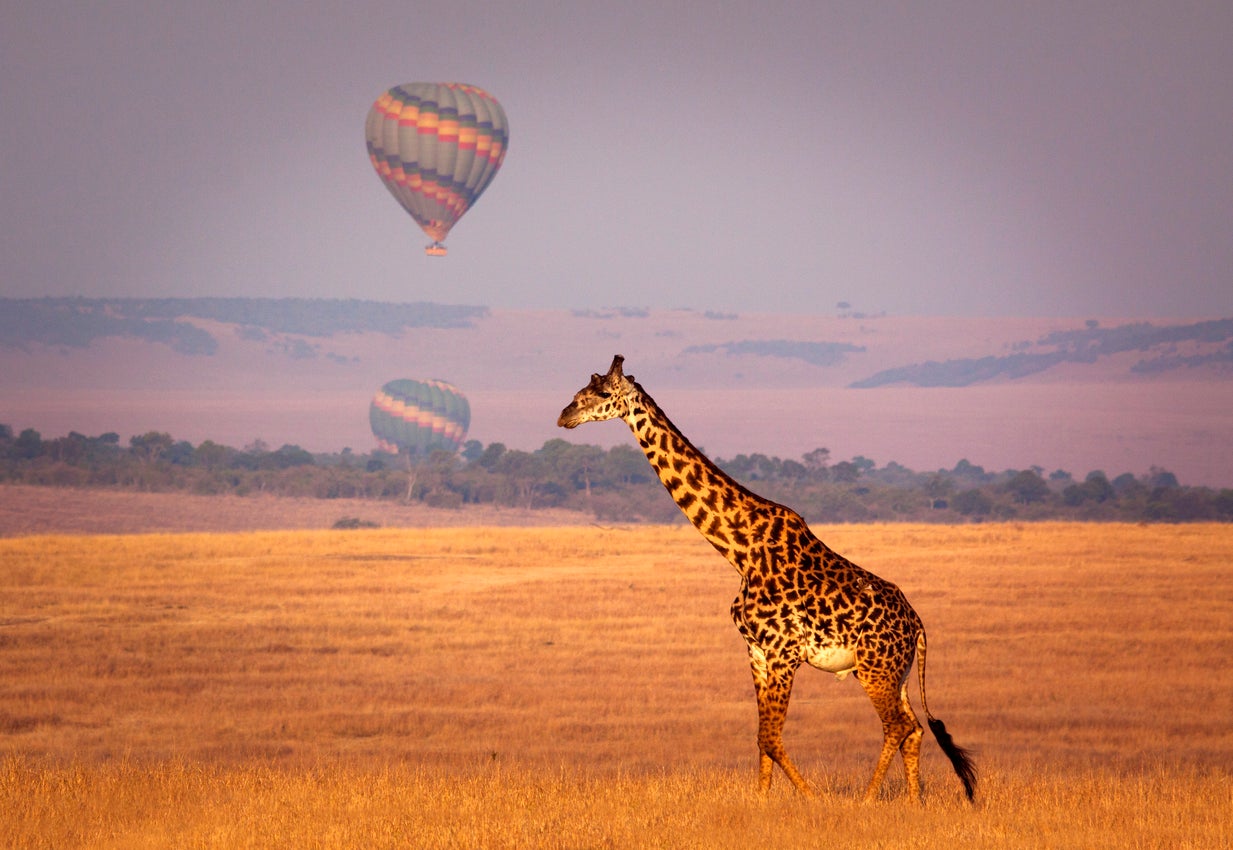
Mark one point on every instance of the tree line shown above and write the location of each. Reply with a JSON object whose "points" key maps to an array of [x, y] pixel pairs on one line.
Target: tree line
{"points": [[615, 484]]}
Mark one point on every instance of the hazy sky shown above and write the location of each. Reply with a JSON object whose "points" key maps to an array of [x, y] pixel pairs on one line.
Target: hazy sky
{"points": [[940, 158]]}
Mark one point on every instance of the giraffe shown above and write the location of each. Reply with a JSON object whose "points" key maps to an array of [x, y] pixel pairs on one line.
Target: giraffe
{"points": [[799, 602]]}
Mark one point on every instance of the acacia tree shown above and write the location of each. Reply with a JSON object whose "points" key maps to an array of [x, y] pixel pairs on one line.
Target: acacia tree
{"points": [[815, 461]]}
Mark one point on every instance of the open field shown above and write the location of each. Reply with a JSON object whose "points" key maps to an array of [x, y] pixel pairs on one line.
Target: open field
{"points": [[584, 687], [28, 510]]}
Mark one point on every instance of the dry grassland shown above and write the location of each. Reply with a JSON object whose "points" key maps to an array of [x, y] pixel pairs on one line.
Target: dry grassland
{"points": [[584, 687], [27, 510]]}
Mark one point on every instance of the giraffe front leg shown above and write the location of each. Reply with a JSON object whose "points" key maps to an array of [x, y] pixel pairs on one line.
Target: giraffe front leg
{"points": [[773, 688]]}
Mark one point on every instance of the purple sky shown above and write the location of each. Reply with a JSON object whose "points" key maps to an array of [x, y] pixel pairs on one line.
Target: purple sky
{"points": [[970, 158]]}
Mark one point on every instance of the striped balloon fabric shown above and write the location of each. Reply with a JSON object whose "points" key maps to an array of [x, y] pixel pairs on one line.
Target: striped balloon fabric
{"points": [[436, 146], [419, 417]]}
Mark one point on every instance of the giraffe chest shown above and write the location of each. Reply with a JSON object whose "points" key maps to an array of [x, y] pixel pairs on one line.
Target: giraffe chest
{"points": [[802, 612], [790, 634]]}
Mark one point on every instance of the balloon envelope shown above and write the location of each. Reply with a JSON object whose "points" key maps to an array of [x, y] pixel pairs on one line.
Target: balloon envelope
{"points": [[419, 417], [436, 147]]}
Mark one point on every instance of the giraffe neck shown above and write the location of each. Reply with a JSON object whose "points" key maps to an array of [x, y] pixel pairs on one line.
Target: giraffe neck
{"points": [[723, 511]]}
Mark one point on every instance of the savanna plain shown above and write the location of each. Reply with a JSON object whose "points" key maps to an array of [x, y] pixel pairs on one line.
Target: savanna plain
{"points": [[584, 687]]}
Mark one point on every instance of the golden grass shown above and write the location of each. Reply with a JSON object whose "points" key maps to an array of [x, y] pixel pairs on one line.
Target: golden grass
{"points": [[195, 806], [583, 687]]}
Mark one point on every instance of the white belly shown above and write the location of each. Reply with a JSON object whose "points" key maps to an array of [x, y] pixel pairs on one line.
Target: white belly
{"points": [[833, 659]]}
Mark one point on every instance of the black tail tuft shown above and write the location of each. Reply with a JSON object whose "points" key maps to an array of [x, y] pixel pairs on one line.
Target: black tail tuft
{"points": [[959, 757]]}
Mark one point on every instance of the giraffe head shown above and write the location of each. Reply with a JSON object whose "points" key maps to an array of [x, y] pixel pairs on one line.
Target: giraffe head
{"points": [[605, 397]]}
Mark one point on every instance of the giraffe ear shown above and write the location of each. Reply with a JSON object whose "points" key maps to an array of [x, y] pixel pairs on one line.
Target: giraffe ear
{"points": [[615, 368]]}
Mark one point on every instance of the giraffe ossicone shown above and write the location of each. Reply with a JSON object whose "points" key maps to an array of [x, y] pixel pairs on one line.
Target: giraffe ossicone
{"points": [[799, 602]]}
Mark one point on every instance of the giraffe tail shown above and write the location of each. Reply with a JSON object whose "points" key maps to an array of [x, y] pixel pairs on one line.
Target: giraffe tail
{"points": [[960, 759]]}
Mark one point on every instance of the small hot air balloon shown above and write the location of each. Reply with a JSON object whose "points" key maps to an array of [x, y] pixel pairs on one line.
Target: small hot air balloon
{"points": [[436, 146], [416, 418]]}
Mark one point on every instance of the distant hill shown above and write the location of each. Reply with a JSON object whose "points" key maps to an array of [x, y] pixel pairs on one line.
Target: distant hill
{"points": [[1160, 349], [1003, 392], [814, 353], [78, 322]]}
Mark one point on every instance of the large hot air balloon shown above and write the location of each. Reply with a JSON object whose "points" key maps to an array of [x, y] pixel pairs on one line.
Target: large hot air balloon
{"points": [[436, 146], [416, 418]]}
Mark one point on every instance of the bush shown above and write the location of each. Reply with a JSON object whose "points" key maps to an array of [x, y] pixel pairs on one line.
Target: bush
{"points": [[443, 499], [348, 522]]}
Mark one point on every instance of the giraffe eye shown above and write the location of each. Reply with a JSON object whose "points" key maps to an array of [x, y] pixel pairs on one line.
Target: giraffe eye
{"points": [[604, 394]]}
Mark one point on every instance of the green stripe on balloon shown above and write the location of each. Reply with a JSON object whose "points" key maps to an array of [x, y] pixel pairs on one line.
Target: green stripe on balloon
{"points": [[419, 417]]}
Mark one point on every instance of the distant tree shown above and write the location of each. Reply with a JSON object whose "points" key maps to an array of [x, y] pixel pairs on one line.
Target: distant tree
{"points": [[286, 457], [864, 464], [1095, 488], [472, 450], [71, 449], [896, 471], [792, 470], [1027, 487], [740, 467], [1098, 487], [761, 467], [491, 455], [1127, 486], [210, 455], [575, 467], [970, 471], [627, 465], [845, 472], [940, 488], [973, 503], [817, 459], [525, 471], [181, 453], [1192, 503], [28, 445], [1157, 477], [257, 447], [150, 446], [434, 476], [1224, 504]]}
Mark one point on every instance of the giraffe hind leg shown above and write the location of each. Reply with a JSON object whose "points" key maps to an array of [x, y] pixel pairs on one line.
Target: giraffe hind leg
{"points": [[901, 733], [910, 748]]}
